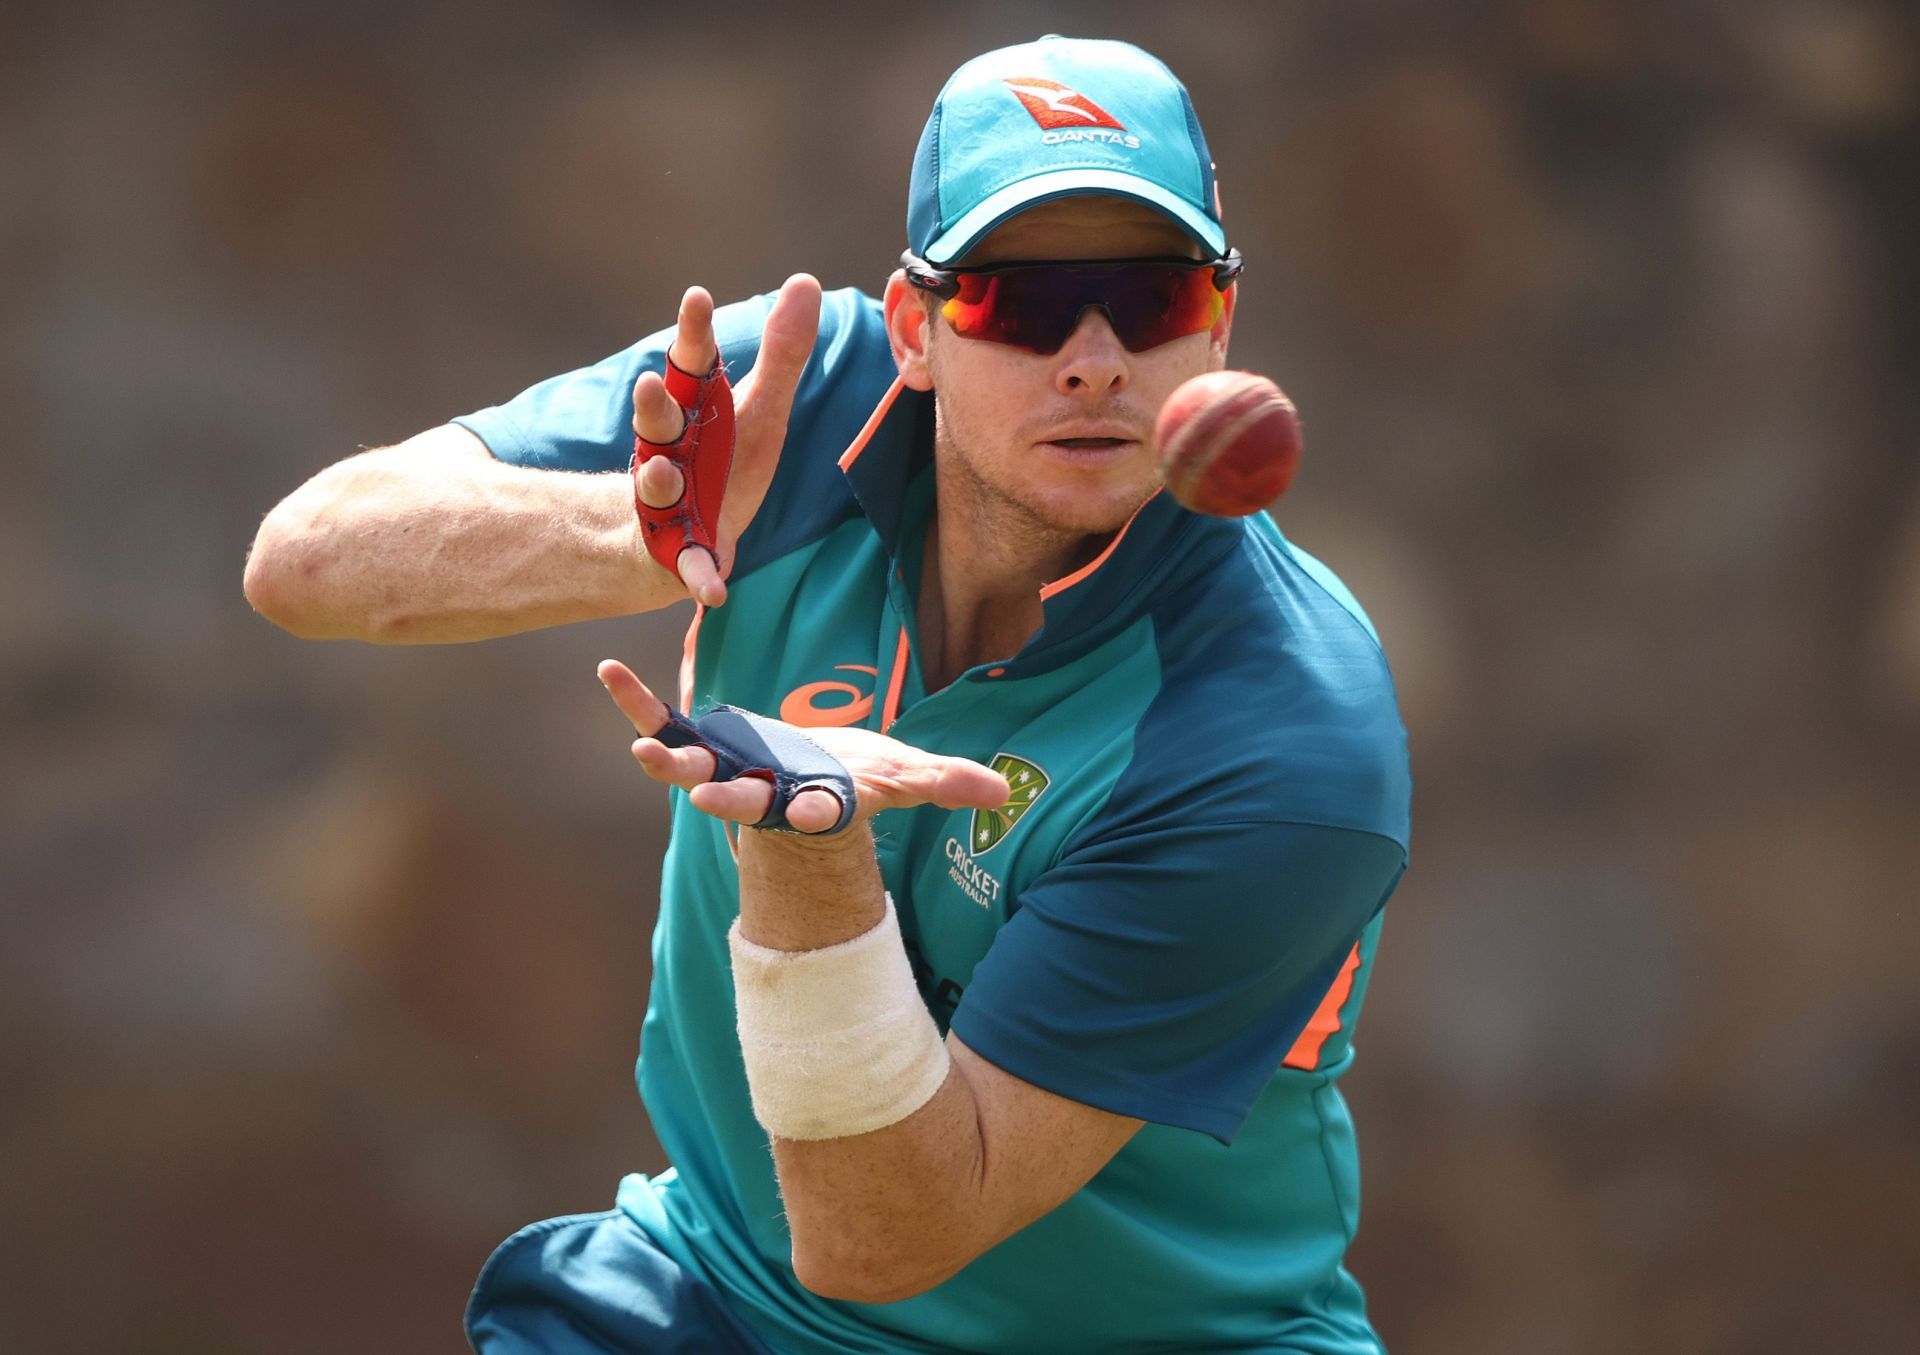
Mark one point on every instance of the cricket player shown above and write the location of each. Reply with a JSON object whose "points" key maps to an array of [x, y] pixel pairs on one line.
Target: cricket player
{"points": [[1030, 832]]}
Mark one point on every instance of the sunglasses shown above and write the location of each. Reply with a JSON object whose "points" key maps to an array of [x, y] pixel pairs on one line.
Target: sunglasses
{"points": [[1037, 306]]}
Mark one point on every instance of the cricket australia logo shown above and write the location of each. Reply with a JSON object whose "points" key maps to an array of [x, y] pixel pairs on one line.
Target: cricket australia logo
{"points": [[990, 825]]}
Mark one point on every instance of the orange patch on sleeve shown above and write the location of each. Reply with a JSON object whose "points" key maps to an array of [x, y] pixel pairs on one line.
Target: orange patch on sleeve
{"points": [[1305, 1053]]}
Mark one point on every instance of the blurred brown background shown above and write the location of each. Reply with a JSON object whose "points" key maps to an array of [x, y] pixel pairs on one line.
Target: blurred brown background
{"points": [[322, 965]]}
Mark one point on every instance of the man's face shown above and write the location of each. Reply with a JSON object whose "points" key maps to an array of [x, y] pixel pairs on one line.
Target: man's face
{"points": [[1060, 444]]}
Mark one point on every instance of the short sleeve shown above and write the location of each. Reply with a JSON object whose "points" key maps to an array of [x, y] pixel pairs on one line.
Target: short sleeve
{"points": [[583, 420], [1164, 974]]}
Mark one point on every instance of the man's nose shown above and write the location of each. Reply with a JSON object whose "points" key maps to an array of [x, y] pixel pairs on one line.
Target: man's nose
{"points": [[1093, 359]]}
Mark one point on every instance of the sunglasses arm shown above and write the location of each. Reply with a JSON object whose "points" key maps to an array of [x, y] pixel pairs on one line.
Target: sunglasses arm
{"points": [[927, 278]]}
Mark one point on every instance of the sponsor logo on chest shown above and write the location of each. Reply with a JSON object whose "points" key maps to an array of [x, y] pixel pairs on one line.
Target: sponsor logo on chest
{"points": [[846, 703]]}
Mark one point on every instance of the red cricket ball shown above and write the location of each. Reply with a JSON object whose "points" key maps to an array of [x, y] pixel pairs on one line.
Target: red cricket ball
{"points": [[1229, 443]]}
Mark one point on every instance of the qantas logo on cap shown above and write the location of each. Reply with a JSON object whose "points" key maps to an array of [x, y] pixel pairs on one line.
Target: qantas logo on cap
{"points": [[1054, 105], [1067, 115]]}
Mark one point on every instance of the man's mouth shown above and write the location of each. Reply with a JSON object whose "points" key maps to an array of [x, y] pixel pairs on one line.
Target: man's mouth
{"points": [[1091, 453]]}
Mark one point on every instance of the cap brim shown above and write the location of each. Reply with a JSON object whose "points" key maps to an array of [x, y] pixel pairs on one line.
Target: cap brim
{"points": [[958, 238]]}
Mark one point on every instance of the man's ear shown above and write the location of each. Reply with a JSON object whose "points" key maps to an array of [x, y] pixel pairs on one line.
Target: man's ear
{"points": [[1222, 328], [909, 329]]}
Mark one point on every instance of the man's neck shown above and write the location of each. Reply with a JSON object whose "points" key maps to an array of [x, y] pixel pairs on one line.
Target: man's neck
{"points": [[981, 575]]}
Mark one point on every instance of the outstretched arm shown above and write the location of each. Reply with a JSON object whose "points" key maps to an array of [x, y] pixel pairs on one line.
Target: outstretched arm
{"points": [[436, 541], [882, 1215]]}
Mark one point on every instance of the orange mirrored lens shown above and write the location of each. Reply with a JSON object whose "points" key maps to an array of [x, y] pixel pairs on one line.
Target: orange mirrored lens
{"points": [[1038, 306]]}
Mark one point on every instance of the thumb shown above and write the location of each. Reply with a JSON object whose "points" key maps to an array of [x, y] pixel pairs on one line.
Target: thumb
{"points": [[786, 343], [957, 783], [764, 399]]}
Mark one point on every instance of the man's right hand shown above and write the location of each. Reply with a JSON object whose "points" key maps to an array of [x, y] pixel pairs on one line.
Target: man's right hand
{"points": [[435, 541], [762, 403]]}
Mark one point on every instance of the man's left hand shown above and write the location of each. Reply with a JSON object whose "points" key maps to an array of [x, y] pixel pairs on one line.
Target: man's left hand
{"points": [[887, 774]]}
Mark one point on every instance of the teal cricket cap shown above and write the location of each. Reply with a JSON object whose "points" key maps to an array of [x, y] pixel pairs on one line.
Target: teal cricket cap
{"points": [[1051, 119]]}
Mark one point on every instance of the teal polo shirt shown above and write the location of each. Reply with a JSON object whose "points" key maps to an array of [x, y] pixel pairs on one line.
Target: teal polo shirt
{"points": [[1174, 918]]}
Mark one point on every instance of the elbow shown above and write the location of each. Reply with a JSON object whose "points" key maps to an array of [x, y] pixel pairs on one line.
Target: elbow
{"points": [[282, 583], [855, 1274], [272, 585]]}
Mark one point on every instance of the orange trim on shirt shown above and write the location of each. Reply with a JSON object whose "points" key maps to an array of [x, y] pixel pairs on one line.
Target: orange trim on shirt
{"points": [[1062, 585], [891, 711], [874, 420], [1305, 1053], [687, 647]]}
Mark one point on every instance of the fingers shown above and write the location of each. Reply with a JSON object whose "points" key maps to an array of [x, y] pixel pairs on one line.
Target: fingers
{"points": [[702, 577], [693, 349], [682, 767], [814, 811], [745, 800], [635, 699], [660, 484], [656, 416]]}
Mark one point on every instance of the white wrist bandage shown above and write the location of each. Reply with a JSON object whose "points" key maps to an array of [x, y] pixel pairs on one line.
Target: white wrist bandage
{"points": [[837, 1041]]}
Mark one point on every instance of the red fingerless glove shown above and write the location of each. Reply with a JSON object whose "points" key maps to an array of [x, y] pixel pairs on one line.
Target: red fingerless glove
{"points": [[704, 454]]}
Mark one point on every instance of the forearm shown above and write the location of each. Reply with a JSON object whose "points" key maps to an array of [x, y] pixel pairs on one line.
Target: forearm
{"points": [[435, 541], [880, 1215], [884, 1216]]}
